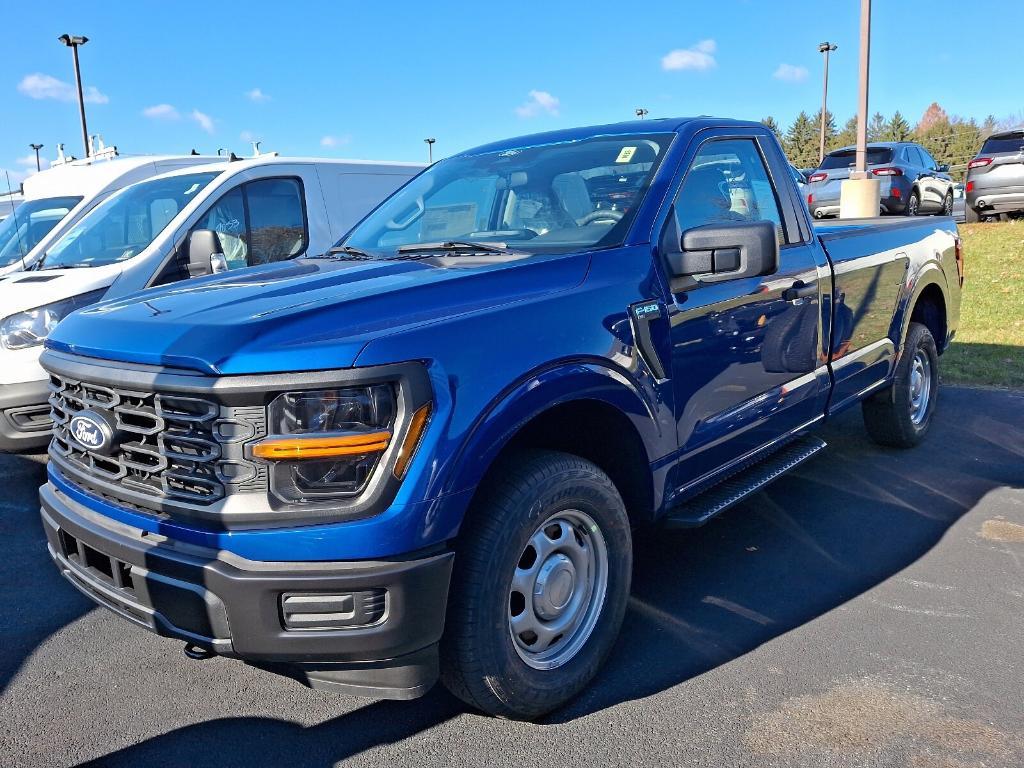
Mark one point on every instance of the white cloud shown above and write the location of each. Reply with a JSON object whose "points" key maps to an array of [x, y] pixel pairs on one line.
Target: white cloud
{"points": [[538, 101], [335, 141], [161, 112], [790, 73], [257, 95], [699, 57], [40, 86], [29, 161], [204, 120]]}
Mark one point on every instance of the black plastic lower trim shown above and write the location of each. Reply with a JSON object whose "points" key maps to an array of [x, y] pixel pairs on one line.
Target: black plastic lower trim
{"points": [[20, 404]]}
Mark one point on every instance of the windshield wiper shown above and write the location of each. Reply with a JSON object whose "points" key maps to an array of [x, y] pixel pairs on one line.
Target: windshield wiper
{"points": [[454, 247], [340, 251]]}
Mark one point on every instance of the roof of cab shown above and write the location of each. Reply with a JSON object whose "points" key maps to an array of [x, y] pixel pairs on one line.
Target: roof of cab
{"points": [[86, 178], [242, 163], [654, 125]]}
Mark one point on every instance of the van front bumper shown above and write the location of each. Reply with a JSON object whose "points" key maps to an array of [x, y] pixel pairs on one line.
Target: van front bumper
{"points": [[363, 627], [24, 417]]}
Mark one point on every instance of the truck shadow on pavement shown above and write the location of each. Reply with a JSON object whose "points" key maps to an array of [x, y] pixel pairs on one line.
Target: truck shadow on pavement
{"points": [[846, 521]]}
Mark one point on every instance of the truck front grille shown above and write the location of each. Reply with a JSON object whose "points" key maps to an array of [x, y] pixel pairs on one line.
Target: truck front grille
{"points": [[165, 446]]}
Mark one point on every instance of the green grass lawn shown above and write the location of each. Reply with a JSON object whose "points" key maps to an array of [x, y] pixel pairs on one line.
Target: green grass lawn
{"points": [[989, 346]]}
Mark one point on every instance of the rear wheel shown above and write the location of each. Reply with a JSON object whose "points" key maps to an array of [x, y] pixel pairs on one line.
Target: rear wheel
{"points": [[900, 415], [539, 591], [947, 204], [972, 216], [913, 203]]}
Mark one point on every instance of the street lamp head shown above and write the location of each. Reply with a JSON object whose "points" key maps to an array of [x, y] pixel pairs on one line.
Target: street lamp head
{"points": [[641, 112], [430, 141], [73, 40], [36, 147], [826, 46]]}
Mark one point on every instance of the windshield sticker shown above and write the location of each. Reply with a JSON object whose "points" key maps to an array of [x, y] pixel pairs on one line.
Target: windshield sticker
{"points": [[192, 189], [625, 155]]}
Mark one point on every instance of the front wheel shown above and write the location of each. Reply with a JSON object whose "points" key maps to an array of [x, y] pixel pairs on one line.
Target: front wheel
{"points": [[540, 586], [900, 415]]}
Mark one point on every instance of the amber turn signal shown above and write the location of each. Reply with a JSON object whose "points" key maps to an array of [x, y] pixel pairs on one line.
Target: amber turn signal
{"points": [[277, 448], [412, 440]]}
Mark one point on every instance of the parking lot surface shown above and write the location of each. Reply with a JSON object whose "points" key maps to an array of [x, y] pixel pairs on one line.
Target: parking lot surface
{"points": [[866, 610]]}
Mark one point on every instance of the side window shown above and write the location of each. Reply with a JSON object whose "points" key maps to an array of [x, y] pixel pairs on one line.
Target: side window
{"points": [[917, 157], [227, 219], [259, 222], [277, 220], [929, 161], [728, 181]]}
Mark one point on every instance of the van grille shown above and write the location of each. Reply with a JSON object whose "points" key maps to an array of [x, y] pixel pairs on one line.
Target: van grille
{"points": [[165, 445]]}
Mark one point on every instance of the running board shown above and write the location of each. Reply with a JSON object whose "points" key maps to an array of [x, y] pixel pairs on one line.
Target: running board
{"points": [[736, 488]]}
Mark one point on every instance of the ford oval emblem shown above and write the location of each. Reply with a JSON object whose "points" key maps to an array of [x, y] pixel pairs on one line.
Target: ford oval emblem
{"points": [[91, 431]]}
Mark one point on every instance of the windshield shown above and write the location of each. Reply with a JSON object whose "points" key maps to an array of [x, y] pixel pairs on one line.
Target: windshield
{"points": [[125, 224], [550, 198], [31, 222], [845, 158]]}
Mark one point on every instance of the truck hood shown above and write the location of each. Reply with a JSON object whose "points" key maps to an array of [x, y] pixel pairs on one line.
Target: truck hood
{"points": [[28, 290], [303, 315]]}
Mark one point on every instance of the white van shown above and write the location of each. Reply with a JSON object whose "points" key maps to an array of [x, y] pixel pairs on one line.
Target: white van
{"points": [[190, 222], [55, 199]]}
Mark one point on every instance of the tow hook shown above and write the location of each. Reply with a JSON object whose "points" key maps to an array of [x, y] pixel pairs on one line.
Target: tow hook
{"points": [[193, 651]]}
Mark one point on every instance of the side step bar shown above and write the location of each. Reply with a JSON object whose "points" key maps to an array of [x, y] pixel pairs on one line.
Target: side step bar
{"points": [[736, 488]]}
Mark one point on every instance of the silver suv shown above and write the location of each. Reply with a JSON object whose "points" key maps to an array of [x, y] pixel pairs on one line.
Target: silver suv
{"points": [[995, 178]]}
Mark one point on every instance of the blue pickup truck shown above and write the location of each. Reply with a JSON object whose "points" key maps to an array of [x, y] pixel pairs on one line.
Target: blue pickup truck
{"points": [[421, 454]]}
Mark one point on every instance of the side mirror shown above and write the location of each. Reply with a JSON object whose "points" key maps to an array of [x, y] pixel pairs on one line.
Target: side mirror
{"points": [[944, 168], [205, 254], [726, 251]]}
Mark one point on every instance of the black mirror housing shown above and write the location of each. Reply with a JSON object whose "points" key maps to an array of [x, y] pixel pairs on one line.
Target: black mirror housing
{"points": [[726, 251], [944, 168], [203, 245]]}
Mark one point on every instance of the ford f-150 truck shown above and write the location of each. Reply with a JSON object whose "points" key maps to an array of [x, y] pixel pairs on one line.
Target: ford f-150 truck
{"points": [[422, 453]]}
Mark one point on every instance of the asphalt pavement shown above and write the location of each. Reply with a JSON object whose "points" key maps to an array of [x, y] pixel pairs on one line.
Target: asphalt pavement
{"points": [[865, 610]]}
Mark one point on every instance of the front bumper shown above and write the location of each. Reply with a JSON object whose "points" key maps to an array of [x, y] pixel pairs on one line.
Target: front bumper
{"points": [[24, 417], [233, 607]]}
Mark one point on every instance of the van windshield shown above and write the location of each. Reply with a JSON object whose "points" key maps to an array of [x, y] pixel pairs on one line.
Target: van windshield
{"points": [[547, 198], [128, 222], [845, 158], [31, 222]]}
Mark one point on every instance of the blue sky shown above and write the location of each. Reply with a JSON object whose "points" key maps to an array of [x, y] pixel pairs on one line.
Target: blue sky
{"points": [[371, 80]]}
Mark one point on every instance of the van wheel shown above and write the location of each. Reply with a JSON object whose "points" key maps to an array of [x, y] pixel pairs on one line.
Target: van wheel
{"points": [[900, 415], [971, 215], [913, 203], [540, 586]]}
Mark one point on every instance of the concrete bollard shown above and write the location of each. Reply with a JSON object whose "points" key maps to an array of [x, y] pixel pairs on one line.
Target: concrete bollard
{"points": [[859, 198]]}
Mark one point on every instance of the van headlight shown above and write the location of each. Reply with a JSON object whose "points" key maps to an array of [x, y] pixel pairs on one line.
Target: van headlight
{"points": [[32, 327], [326, 444]]}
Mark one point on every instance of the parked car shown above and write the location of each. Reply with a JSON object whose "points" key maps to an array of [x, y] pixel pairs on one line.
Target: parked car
{"points": [[58, 197], [912, 182], [799, 179], [191, 222], [995, 178], [425, 449], [959, 204]]}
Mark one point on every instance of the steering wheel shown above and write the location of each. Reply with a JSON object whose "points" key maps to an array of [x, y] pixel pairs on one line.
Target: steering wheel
{"points": [[600, 215]]}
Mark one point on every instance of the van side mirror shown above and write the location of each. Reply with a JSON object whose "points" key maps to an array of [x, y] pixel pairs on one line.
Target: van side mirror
{"points": [[205, 254], [726, 251]]}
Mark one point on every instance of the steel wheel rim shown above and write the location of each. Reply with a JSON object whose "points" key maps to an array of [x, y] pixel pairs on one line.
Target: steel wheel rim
{"points": [[920, 387], [558, 589]]}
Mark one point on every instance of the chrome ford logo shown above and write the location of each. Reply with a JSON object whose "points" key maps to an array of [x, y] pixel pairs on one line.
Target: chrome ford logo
{"points": [[91, 431]]}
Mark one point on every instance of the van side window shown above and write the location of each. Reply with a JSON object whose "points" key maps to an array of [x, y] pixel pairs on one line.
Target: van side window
{"points": [[259, 222], [728, 181]]}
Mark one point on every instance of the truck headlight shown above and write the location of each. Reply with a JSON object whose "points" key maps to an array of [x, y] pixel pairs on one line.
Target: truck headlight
{"points": [[327, 443], [32, 327]]}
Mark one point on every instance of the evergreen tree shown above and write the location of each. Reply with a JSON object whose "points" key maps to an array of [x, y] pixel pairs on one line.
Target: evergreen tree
{"points": [[801, 142], [830, 128], [770, 123], [847, 136], [989, 126], [876, 127], [897, 129]]}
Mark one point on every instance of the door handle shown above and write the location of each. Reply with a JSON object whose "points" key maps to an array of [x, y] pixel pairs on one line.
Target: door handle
{"points": [[800, 290]]}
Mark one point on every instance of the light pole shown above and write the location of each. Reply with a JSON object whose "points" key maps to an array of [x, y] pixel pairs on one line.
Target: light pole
{"points": [[860, 171], [430, 149], [37, 147], [641, 112], [72, 42], [825, 48]]}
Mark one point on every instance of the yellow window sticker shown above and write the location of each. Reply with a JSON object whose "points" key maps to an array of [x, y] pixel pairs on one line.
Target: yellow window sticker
{"points": [[625, 154]]}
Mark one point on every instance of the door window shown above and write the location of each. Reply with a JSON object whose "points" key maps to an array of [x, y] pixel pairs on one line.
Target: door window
{"points": [[728, 181], [259, 222]]}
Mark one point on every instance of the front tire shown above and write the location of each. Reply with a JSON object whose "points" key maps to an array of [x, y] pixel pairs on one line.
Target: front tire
{"points": [[900, 415], [540, 586]]}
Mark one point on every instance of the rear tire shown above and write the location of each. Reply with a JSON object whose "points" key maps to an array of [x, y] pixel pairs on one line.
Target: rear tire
{"points": [[947, 205], [900, 415], [913, 203], [971, 215], [540, 586]]}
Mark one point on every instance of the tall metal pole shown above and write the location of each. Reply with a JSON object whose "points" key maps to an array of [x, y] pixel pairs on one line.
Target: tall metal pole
{"points": [[860, 171], [72, 42], [430, 150], [825, 48], [37, 147]]}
